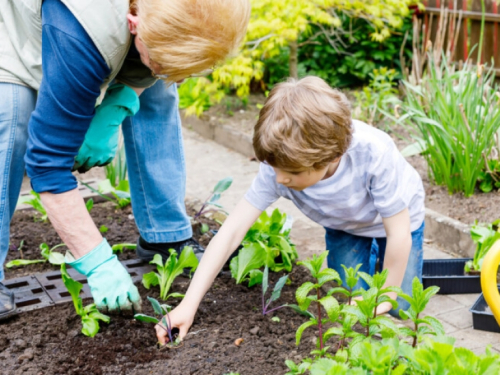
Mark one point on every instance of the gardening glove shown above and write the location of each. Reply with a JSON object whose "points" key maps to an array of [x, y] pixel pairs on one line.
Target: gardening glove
{"points": [[109, 282], [101, 140]]}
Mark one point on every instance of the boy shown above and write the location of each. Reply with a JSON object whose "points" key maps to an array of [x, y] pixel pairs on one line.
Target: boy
{"points": [[341, 173]]}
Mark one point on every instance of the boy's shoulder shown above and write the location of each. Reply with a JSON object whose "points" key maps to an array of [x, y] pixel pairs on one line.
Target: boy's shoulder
{"points": [[368, 138]]}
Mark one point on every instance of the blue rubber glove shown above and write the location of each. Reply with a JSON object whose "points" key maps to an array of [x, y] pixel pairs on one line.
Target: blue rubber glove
{"points": [[101, 140], [109, 282]]}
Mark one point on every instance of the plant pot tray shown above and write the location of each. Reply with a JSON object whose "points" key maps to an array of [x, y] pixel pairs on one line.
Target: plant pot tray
{"points": [[482, 317], [448, 275]]}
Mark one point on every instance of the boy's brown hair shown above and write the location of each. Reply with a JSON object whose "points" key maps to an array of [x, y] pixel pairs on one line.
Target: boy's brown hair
{"points": [[185, 37], [304, 124]]}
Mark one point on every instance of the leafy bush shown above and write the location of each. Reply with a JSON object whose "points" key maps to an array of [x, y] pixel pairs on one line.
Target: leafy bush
{"points": [[484, 236], [167, 272], [455, 115], [379, 97], [265, 244]]}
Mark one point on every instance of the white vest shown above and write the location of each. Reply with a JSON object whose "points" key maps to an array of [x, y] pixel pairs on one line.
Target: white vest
{"points": [[21, 36]]}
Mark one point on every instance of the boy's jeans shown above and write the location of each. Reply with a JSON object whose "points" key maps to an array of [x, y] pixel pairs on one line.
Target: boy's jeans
{"points": [[155, 160], [350, 250]]}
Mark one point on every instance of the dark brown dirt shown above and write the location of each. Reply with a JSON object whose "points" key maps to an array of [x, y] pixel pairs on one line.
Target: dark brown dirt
{"points": [[121, 229], [482, 207], [49, 341]]}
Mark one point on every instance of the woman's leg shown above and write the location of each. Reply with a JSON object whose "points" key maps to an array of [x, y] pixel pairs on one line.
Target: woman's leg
{"points": [[16, 106]]}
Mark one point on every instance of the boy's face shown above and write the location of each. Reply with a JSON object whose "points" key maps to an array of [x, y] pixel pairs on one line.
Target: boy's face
{"points": [[300, 180]]}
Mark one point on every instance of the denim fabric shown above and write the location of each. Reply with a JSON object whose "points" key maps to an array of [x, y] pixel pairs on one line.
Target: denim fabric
{"points": [[15, 109], [351, 250], [156, 167]]}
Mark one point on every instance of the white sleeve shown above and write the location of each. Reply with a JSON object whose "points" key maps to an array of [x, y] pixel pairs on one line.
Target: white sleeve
{"points": [[264, 189], [389, 174]]}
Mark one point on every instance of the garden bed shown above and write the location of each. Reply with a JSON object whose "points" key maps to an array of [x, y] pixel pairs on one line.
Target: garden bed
{"points": [[49, 340], [481, 206]]}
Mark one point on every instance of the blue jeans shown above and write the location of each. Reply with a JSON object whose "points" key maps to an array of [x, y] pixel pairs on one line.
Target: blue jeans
{"points": [[16, 104], [351, 250], [156, 166]]}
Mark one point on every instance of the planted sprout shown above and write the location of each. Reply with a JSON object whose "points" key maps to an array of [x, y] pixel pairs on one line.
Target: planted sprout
{"points": [[167, 272], [274, 295], [214, 197], [36, 203], [89, 314], [162, 311], [51, 256], [119, 247], [484, 236], [120, 195]]}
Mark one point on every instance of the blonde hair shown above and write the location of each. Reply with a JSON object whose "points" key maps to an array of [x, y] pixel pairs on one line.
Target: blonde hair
{"points": [[188, 36], [304, 124]]}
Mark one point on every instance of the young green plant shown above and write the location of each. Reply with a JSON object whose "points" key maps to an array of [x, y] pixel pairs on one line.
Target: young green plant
{"points": [[266, 243], [210, 204], [167, 272], [89, 314], [484, 236], [329, 303], [418, 301], [162, 312], [276, 293], [49, 255]]}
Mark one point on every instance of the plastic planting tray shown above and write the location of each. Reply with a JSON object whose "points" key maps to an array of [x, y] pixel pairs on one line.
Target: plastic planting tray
{"points": [[448, 275], [482, 317]]}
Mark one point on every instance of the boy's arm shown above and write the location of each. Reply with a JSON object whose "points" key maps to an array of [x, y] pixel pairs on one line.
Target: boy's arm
{"points": [[397, 251], [218, 251]]}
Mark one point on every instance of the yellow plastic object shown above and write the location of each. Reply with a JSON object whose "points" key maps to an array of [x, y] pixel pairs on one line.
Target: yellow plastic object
{"points": [[489, 279]]}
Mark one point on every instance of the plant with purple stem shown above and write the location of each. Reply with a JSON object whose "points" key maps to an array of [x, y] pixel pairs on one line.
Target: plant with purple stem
{"points": [[275, 294], [212, 199], [162, 311], [329, 303]]}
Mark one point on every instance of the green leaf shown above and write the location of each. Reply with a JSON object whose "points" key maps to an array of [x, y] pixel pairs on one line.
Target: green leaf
{"points": [[119, 247], [146, 318], [302, 293], [223, 185], [297, 309], [300, 330], [204, 228], [250, 257], [150, 279], [156, 305], [265, 281], [331, 306], [254, 278], [175, 295], [23, 262], [90, 326], [103, 229], [56, 258], [89, 204], [74, 288], [277, 289], [414, 148], [326, 275]]}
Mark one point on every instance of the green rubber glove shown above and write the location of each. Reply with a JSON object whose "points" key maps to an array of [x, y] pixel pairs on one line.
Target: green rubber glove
{"points": [[101, 140], [109, 282]]}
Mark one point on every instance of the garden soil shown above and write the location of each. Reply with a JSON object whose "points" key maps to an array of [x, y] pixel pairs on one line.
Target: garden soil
{"points": [[482, 207], [49, 341]]}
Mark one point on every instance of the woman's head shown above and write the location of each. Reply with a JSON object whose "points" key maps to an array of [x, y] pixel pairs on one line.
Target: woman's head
{"points": [[183, 37]]}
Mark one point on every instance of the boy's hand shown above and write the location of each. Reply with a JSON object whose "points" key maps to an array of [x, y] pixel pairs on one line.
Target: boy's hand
{"points": [[181, 318]]}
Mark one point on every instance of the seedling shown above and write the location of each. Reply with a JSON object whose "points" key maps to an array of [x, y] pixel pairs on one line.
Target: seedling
{"points": [[120, 195], [275, 293], [162, 311], [167, 272], [418, 301], [329, 303], [89, 314], [484, 235], [210, 204], [116, 171], [103, 229], [264, 243], [51, 256], [119, 247], [36, 203], [352, 278], [366, 309]]}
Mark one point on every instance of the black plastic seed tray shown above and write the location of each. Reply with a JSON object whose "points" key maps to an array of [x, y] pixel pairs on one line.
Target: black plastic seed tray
{"points": [[28, 293], [448, 275], [482, 317], [54, 286]]}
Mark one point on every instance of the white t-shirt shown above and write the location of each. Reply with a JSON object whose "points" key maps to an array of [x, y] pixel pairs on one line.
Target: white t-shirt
{"points": [[373, 181]]}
